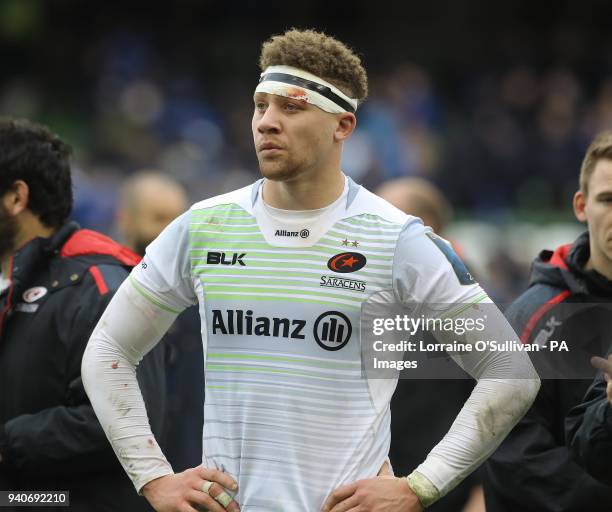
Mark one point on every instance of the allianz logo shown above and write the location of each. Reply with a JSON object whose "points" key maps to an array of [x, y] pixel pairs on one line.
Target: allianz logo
{"points": [[303, 233], [331, 330]]}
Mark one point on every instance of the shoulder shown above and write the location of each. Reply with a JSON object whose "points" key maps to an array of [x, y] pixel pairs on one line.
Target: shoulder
{"points": [[534, 306], [91, 259], [85, 243], [242, 198], [368, 204]]}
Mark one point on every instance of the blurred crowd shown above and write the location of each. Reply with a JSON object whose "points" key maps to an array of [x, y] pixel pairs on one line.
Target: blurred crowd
{"points": [[508, 139], [505, 141]]}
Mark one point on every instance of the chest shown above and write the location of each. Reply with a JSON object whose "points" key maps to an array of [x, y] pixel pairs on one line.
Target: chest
{"points": [[232, 260], [33, 355], [294, 297]]}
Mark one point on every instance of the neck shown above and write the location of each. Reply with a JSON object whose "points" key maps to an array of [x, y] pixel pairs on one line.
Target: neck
{"points": [[304, 194], [599, 262], [30, 227]]}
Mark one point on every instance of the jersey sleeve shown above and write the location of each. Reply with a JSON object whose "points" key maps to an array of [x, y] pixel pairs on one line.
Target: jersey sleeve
{"points": [[164, 275], [426, 269], [427, 272]]}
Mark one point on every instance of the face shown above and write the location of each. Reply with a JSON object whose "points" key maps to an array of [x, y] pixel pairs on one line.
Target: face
{"points": [[155, 208], [596, 210], [292, 137]]}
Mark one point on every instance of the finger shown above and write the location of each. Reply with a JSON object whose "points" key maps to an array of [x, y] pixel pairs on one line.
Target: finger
{"points": [[203, 500], [351, 503], [215, 475], [219, 495], [188, 508], [340, 494], [602, 364]]}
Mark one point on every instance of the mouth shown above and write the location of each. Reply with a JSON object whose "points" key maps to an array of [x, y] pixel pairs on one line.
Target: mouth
{"points": [[269, 147]]}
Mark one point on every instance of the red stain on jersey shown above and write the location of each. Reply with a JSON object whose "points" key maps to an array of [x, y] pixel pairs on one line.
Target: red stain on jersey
{"points": [[115, 365]]}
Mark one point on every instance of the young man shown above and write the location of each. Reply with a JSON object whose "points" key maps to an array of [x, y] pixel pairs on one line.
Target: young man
{"points": [[589, 425], [533, 469], [290, 423], [57, 280]]}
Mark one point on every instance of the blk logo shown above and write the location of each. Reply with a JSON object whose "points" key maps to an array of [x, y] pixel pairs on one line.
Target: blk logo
{"points": [[332, 330], [221, 258], [346, 262]]}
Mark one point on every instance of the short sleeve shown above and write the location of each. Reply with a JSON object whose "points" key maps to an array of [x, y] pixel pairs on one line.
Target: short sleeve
{"points": [[164, 275], [426, 269]]}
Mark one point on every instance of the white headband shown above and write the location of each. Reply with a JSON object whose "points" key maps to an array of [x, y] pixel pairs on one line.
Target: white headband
{"points": [[295, 83]]}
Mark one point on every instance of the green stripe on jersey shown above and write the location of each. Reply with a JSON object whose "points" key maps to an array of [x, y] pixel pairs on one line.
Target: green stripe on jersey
{"points": [[265, 298], [150, 297], [341, 365]]}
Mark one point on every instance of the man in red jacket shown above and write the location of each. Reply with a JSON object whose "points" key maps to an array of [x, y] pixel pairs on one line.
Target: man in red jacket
{"points": [[56, 281]]}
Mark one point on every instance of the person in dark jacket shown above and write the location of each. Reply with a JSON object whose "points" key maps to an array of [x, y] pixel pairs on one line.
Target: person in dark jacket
{"points": [[568, 299], [589, 425], [56, 282]]}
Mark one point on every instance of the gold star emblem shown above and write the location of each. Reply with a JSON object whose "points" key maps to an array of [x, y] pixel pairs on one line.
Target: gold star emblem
{"points": [[345, 242], [354, 243]]}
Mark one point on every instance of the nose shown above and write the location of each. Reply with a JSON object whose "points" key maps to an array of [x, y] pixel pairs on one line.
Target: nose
{"points": [[269, 121]]}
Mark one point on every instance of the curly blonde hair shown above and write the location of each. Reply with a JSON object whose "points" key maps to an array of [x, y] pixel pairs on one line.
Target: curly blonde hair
{"points": [[319, 54]]}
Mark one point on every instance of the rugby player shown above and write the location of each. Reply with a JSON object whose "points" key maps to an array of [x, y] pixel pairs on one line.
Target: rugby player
{"points": [[291, 424]]}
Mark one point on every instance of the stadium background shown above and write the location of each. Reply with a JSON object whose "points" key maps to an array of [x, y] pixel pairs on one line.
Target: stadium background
{"points": [[494, 101]]}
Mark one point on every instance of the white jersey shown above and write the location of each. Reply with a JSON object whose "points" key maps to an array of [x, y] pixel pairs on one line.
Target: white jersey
{"points": [[287, 410]]}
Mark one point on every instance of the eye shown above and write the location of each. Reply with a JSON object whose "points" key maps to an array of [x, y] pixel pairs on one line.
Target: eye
{"points": [[260, 106], [292, 107]]}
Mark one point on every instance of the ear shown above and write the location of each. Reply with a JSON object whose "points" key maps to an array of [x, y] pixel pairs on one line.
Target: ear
{"points": [[580, 206], [346, 125], [16, 198]]}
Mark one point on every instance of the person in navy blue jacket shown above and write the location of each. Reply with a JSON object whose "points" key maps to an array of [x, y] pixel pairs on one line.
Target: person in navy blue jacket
{"points": [[57, 279], [589, 425]]}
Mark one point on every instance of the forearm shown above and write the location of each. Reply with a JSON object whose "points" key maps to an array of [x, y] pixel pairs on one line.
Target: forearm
{"points": [[486, 418], [128, 329], [507, 386]]}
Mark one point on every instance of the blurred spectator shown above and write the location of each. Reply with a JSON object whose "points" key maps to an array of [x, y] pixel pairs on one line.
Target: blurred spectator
{"points": [[421, 198], [149, 201]]}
